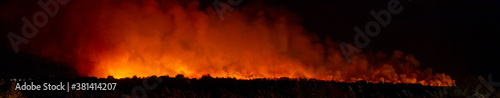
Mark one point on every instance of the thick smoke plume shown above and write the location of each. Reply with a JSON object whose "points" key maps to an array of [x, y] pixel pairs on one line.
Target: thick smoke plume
{"points": [[124, 38]]}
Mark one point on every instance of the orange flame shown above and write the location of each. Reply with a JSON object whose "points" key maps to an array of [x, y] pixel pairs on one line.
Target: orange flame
{"points": [[144, 38]]}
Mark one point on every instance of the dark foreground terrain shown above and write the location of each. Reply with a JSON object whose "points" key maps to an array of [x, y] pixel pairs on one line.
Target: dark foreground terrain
{"points": [[207, 86]]}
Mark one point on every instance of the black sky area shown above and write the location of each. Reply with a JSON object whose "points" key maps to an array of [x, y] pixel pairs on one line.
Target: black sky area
{"points": [[456, 37]]}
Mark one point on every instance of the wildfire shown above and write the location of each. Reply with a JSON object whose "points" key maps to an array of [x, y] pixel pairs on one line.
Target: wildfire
{"points": [[170, 37]]}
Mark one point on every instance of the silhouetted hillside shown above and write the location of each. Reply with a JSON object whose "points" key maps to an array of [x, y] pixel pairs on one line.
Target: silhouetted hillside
{"points": [[207, 86]]}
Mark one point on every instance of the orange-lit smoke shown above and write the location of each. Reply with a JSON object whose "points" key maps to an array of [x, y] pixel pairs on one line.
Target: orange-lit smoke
{"points": [[124, 38]]}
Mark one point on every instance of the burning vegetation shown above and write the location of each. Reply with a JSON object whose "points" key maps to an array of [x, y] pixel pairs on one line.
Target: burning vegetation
{"points": [[169, 37]]}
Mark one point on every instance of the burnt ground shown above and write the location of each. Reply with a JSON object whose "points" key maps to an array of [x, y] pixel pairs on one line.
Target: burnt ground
{"points": [[179, 86]]}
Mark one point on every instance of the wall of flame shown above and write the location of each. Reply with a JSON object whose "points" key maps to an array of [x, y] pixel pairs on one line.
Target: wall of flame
{"points": [[124, 38]]}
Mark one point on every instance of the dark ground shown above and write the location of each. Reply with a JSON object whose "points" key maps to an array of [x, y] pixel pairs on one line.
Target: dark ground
{"points": [[227, 87]]}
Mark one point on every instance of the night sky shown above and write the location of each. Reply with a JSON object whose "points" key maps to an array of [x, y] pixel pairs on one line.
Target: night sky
{"points": [[456, 37]]}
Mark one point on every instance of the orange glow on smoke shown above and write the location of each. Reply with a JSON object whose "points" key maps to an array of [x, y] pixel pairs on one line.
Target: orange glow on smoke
{"points": [[169, 37]]}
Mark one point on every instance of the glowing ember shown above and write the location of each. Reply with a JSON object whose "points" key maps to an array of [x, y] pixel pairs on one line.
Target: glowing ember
{"points": [[154, 37]]}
